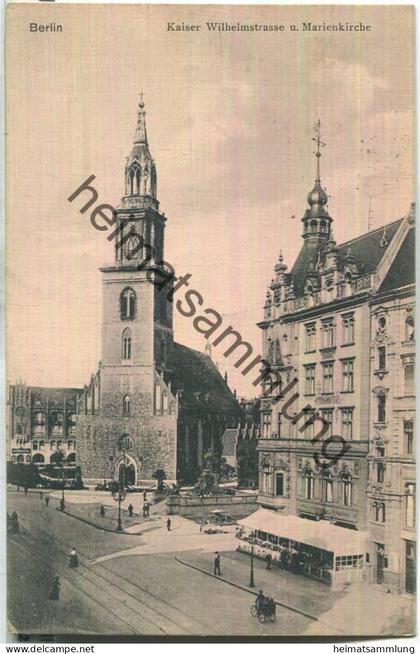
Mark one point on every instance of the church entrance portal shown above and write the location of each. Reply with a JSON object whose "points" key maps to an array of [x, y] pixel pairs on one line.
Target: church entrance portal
{"points": [[127, 474]]}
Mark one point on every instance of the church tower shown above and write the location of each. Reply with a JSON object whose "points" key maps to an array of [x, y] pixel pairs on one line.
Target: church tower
{"points": [[137, 317]]}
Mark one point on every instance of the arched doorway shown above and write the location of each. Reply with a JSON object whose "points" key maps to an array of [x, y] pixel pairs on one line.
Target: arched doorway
{"points": [[126, 469], [38, 458], [127, 474]]}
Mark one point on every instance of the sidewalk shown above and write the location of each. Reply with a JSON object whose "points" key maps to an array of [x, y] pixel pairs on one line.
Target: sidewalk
{"points": [[360, 610], [302, 593]]}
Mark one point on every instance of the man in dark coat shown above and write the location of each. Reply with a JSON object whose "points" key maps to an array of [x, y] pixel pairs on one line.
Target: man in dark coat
{"points": [[269, 561], [130, 510], [217, 570]]}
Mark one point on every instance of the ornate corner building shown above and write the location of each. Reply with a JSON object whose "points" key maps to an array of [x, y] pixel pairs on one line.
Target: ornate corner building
{"points": [[153, 403], [338, 334], [41, 424]]}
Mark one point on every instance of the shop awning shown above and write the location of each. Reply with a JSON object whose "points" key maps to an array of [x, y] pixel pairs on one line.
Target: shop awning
{"points": [[322, 534]]}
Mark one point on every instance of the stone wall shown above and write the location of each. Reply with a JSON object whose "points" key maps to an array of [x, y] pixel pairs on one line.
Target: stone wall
{"points": [[154, 441], [237, 506]]}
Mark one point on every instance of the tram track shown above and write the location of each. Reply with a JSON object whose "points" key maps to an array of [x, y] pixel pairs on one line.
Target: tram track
{"points": [[167, 625]]}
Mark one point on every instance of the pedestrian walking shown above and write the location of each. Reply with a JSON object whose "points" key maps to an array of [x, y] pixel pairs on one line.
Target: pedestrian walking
{"points": [[168, 524], [130, 510], [102, 511], [54, 593], [217, 570], [41, 495], [144, 510], [18, 488], [74, 559], [147, 509], [62, 505], [47, 501], [269, 561], [14, 523], [25, 488]]}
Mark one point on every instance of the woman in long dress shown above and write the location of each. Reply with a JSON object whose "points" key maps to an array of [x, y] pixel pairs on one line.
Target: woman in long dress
{"points": [[55, 588], [74, 560]]}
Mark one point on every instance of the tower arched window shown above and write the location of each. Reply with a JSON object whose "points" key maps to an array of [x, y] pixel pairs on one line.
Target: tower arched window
{"points": [[126, 344], [134, 174], [128, 304], [125, 442], [126, 405]]}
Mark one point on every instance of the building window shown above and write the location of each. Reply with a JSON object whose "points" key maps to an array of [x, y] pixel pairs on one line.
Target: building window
{"points": [[126, 344], [408, 437], [382, 408], [125, 442], [127, 304], [35, 445], [158, 399], [310, 337], [279, 484], [308, 426], [327, 417], [382, 357], [328, 377], [380, 472], [328, 329], [126, 405], [308, 484], [410, 505], [310, 379], [41, 445], [379, 511], [279, 424], [346, 489], [327, 487], [348, 329], [409, 378], [348, 376], [266, 424], [347, 424]]}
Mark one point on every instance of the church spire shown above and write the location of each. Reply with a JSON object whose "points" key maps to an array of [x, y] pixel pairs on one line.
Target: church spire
{"points": [[141, 132], [140, 170], [316, 219]]}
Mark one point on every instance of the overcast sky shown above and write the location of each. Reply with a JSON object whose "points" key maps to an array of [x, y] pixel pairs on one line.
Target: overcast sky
{"points": [[230, 118]]}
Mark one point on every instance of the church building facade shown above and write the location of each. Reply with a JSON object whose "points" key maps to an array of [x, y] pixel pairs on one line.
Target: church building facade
{"points": [[153, 404]]}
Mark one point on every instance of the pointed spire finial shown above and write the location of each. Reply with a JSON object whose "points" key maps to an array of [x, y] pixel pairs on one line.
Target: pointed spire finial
{"points": [[319, 144], [141, 133]]}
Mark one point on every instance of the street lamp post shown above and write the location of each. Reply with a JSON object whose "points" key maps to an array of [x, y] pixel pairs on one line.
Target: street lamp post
{"points": [[119, 495], [251, 574], [62, 494]]}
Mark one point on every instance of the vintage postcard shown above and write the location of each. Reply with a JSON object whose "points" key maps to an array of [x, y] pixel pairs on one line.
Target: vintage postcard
{"points": [[210, 321]]}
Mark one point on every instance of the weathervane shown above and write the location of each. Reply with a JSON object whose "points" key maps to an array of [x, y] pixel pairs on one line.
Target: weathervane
{"points": [[319, 144]]}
